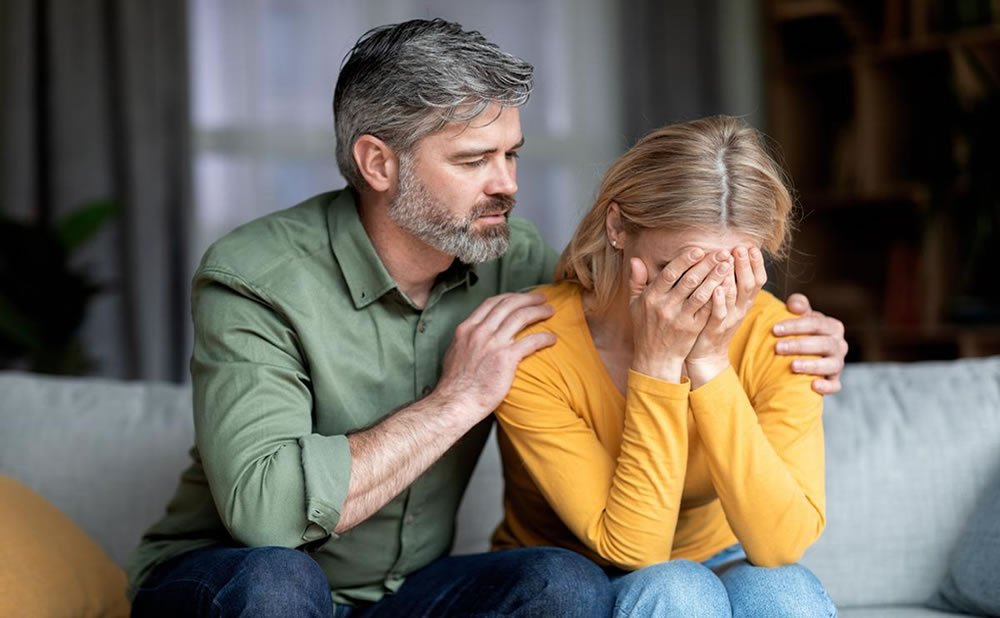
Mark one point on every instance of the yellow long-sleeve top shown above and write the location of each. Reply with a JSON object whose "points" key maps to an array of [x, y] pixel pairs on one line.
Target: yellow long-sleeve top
{"points": [[662, 471]]}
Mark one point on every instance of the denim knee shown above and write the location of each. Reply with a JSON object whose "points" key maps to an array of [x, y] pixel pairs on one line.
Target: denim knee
{"points": [[673, 588], [276, 581], [567, 584], [781, 591]]}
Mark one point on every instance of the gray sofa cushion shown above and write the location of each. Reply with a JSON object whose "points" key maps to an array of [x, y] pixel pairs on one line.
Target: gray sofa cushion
{"points": [[903, 611], [909, 449], [973, 581], [108, 454]]}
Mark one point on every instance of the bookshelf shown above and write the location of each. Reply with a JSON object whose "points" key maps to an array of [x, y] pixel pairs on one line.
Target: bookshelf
{"points": [[887, 117]]}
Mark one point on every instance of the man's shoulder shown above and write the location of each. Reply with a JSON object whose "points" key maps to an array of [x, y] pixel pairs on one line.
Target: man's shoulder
{"points": [[524, 236], [528, 261], [265, 247]]}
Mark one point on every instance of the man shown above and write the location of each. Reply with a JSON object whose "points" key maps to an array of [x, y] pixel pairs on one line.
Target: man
{"points": [[349, 352]]}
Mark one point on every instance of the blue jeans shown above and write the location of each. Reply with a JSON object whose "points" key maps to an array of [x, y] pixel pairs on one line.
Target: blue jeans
{"points": [[724, 585], [276, 581]]}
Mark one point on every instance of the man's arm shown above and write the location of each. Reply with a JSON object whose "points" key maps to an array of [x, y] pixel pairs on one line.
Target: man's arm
{"points": [[275, 481], [820, 335], [478, 371]]}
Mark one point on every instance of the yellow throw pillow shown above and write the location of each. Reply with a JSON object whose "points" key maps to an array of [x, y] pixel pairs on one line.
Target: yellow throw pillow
{"points": [[48, 565]]}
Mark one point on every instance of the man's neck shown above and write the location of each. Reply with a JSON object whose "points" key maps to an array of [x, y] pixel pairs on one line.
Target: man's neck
{"points": [[412, 263]]}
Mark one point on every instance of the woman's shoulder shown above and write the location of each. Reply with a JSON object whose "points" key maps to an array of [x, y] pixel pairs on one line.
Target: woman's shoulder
{"points": [[564, 298], [755, 334], [560, 293], [571, 350], [767, 309]]}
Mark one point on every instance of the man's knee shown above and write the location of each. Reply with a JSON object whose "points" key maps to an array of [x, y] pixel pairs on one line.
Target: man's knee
{"points": [[564, 583], [782, 591], [673, 588], [277, 581]]}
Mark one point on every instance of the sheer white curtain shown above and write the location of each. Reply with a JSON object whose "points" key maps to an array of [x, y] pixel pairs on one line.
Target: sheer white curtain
{"points": [[263, 78]]}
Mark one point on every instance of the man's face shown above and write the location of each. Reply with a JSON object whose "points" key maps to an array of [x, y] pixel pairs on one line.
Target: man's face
{"points": [[457, 189]]}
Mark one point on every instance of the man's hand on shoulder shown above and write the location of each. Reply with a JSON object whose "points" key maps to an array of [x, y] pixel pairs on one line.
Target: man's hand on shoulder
{"points": [[821, 336], [482, 358]]}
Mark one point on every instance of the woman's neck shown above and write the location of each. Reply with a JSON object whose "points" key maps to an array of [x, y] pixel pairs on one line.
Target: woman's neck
{"points": [[611, 332], [611, 328]]}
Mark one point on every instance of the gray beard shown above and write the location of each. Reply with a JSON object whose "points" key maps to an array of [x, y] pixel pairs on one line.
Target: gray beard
{"points": [[415, 210]]}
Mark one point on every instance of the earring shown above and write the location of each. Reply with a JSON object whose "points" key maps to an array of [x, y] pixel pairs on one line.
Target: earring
{"points": [[614, 243]]}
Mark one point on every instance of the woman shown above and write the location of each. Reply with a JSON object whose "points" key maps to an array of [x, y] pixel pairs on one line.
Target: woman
{"points": [[661, 436]]}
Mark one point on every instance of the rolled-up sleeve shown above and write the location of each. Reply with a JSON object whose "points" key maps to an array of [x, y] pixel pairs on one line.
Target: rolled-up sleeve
{"points": [[274, 481], [326, 462]]}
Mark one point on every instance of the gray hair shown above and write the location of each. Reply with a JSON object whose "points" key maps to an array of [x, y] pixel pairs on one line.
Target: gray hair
{"points": [[403, 82]]}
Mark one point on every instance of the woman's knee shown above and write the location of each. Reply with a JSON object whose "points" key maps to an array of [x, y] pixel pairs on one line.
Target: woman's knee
{"points": [[781, 591], [571, 585], [673, 588]]}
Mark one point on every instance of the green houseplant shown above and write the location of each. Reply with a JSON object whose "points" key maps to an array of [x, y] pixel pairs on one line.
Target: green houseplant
{"points": [[43, 297]]}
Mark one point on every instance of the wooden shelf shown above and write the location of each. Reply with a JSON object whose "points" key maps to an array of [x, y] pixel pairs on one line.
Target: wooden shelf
{"points": [[904, 49], [866, 103], [902, 196], [793, 10], [935, 43]]}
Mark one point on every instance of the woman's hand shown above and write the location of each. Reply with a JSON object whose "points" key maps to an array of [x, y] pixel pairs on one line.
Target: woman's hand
{"points": [[669, 312], [731, 301]]}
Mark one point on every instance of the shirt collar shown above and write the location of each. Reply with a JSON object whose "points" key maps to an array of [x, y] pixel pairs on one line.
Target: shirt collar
{"points": [[363, 270]]}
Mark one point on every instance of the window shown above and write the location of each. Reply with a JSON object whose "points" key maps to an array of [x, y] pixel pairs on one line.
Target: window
{"points": [[263, 78]]}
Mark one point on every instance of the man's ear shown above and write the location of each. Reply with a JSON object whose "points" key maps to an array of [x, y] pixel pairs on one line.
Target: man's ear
{"points": [[613, 225], [377, 162]]}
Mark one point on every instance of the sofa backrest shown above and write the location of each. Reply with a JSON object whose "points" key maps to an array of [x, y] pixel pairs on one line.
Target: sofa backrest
{"points": [[108, 454], [909, 448]]}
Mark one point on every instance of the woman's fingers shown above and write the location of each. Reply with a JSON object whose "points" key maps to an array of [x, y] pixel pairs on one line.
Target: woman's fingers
{"points": [[757, 264], [637, 278], [719, 305], [680, 271], [745, 281], [701, 291], [750, 274], [731, 292]]}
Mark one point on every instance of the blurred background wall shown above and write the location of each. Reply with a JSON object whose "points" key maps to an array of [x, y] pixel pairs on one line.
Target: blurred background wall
{"points": [[135, 132]]}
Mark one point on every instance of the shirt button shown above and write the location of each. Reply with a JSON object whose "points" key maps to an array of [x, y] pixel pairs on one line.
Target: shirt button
{"points": [[421, 326], [409, 519]]}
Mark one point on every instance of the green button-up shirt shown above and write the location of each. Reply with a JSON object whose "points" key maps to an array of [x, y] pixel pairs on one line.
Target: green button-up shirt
{"points": [[302, 337]]}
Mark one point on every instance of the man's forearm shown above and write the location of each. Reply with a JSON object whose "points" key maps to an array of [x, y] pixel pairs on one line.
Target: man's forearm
{"points": [[477, 372], [387, 458]]}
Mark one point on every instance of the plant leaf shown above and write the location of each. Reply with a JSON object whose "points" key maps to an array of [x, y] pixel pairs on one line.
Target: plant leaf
{"points": [[18, 329], [83, 224]]}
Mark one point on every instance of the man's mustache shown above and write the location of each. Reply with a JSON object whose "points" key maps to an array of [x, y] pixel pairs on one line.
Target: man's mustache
{"points": [[495, 205]]}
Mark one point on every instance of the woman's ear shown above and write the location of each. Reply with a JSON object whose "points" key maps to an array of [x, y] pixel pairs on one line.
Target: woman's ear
{"points": [[614, 227], [377, 163]]}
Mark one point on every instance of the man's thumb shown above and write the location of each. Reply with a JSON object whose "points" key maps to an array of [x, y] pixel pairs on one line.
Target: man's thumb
{"points": [[799, 304]]}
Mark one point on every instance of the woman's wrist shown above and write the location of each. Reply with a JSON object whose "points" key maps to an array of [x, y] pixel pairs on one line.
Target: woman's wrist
{"points": [[666, 369], [704, 370]]}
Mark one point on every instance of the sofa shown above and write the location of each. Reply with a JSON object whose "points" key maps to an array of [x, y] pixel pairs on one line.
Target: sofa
{"points": [[909, 448]]}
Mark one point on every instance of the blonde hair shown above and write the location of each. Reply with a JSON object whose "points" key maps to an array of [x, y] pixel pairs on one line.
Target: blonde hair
{"points": [[712, 174]]}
